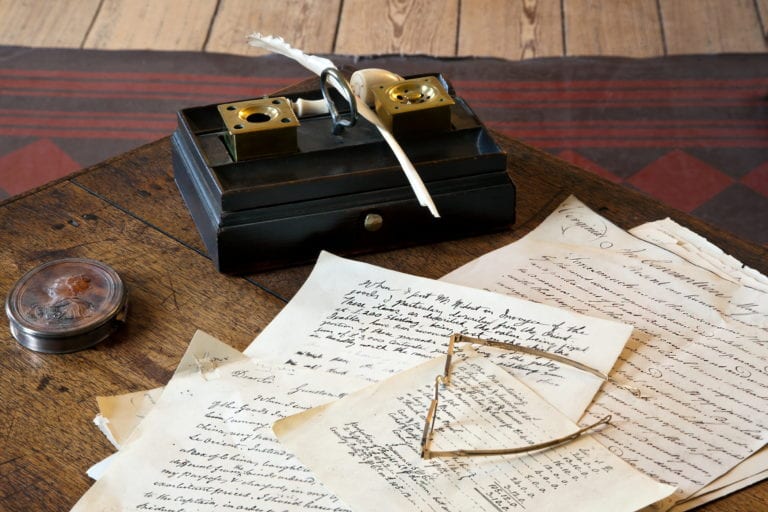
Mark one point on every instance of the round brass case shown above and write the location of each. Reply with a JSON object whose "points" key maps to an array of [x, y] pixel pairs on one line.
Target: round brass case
{"points": [[66, 305]]}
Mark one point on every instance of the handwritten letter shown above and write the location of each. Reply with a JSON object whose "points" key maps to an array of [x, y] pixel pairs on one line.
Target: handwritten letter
{"points": [[355, 319], [366, 448], [208, 444], [697, 358]]}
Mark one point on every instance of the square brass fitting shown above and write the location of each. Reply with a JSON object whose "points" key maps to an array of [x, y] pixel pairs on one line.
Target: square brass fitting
{"points": [[260, 127], [417, 105]]}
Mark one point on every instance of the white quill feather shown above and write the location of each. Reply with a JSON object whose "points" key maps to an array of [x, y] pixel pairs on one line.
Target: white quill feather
{"points": [[317, 65]]}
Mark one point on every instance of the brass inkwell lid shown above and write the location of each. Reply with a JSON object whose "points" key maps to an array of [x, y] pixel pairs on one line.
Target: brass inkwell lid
{"points": [[66, 305]]}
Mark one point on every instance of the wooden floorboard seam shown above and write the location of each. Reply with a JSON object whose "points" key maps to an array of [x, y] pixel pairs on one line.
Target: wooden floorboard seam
{"points": [[210, 25], [90, 26], [338, 24], [662, 28]]}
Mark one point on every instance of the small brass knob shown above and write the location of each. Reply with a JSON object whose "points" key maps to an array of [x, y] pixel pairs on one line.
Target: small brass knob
{"points": [[373, 222]]}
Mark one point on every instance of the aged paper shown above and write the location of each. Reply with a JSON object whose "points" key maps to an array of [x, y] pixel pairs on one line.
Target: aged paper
{"points": [[692, 247], [366, 448], [119, 415], [745, 474], [696, 359], [697, 250], [207, 443], [358, 319]]}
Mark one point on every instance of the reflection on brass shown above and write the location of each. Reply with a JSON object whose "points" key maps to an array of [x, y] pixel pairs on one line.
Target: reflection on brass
{"points": [[259, 127], [418, 105]]}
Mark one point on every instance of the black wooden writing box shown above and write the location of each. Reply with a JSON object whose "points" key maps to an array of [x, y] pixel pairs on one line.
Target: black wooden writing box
{"points": [[342, 192]]}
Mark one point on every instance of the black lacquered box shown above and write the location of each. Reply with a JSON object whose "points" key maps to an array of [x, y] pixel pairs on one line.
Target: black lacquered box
{"points": [[344, 193]]}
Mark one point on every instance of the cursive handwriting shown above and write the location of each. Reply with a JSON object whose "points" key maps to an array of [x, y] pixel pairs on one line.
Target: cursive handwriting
{"points": [[224, 456], [374, 437], [695, 355]]}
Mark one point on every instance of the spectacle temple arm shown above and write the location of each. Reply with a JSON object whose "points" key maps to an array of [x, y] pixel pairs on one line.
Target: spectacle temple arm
{"points": [[426, 453], [429, 423]]}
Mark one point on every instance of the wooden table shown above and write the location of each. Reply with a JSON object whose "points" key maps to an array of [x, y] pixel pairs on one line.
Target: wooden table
{"points": [[128, 213]]}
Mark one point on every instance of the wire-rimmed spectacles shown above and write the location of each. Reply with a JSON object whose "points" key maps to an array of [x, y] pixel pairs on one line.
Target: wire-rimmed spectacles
{"points": [[445, 379]]}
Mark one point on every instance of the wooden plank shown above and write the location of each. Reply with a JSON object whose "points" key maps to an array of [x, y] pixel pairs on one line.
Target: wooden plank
{"points": [[374, 27], [151, 25], [61, 24], [236, 19], [629, 28], [712, 26], [511, 30], [144, 187]]}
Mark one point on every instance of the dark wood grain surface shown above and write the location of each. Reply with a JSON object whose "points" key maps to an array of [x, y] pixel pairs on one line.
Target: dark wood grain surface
{"points": [[128, 213]]}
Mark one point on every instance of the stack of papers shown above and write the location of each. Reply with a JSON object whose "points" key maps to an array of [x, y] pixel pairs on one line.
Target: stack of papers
{"points": [[345, 374]]}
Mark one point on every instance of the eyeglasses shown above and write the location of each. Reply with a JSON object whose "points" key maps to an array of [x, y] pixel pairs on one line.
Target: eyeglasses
{"points": [[445, 379]]}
